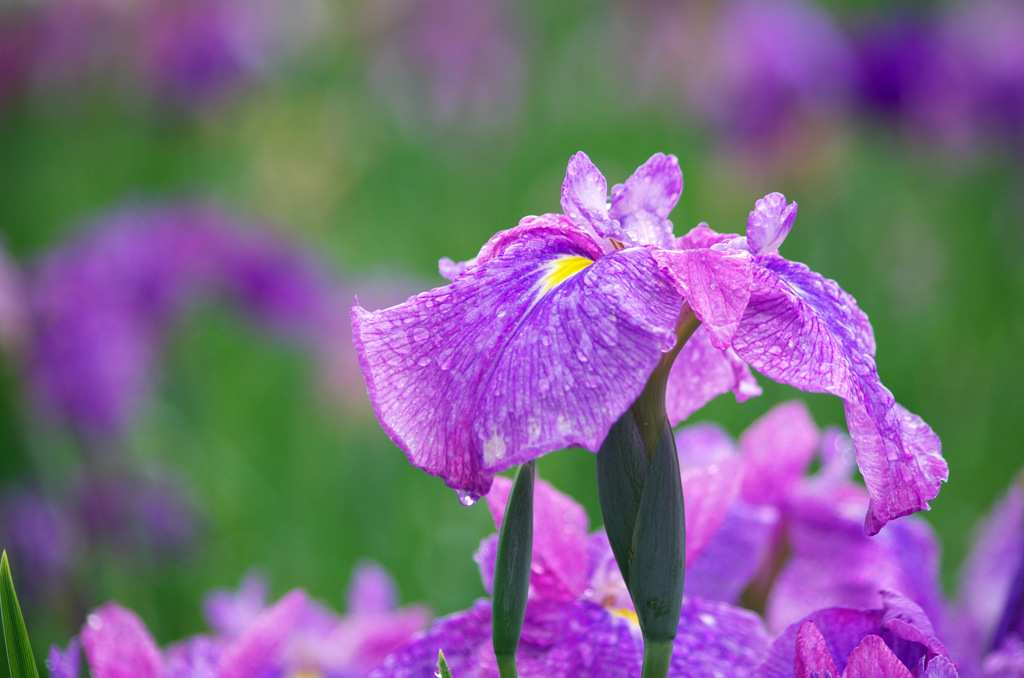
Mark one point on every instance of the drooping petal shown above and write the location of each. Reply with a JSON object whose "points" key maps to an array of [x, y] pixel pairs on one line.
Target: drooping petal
{"points": [[769, 223], [777, 449], [253, 653], [812, 657], [913, 635], [558, 569], [461, 636], [735, 555], [643, 203], [943, 667], [873, 659], [117, 645], [508, 362], [716, 283], [802, 329], [717, 639], [702, 372]]}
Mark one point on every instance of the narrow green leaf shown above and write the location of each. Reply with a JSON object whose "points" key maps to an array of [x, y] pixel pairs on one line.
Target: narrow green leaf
{"points": [[442, 666], [659, 545], [512, 566], [19, 651]]}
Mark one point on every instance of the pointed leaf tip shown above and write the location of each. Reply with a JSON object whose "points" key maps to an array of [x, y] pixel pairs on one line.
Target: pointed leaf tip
{"points": [[19, 650], [442, 666]]}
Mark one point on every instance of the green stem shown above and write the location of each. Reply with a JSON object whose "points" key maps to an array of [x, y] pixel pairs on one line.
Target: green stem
{"points": [[507, 666], [657, 658]]}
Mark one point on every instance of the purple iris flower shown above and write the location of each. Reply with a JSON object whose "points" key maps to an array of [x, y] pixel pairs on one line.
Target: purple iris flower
{"points": [[894, 641], [295, 636], [546, 337], [579, 618], [101, 304]]}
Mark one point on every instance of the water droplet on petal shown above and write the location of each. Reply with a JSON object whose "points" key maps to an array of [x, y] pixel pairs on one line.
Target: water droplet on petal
{"points": [[467, 498], [423, 361], [420, 334], [94, 621], [581, 356]]}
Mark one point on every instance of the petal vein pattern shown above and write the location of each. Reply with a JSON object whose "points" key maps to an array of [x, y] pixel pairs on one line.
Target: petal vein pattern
{"points": [[485, 373]]}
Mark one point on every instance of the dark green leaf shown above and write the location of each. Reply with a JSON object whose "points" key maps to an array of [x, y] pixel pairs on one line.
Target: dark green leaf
{"points": [[512, 565], [621, 475], [19, 651], [659, 545]]}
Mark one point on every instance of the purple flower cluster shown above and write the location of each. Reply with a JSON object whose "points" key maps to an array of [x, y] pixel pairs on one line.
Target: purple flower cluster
{"points": [[839, 603], [836, 602], [101, 305], [551, 332], [295, 636], [185, 52]]}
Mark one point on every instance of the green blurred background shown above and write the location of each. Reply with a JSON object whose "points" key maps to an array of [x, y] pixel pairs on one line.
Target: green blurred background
{"points": [[301, 483]]}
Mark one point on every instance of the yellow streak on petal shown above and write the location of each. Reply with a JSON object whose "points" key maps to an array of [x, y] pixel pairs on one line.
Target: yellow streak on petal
{"points": [[305, 673], [627, 614], [561, 269]]}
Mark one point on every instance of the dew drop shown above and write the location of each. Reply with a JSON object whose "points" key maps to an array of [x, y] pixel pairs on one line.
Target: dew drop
{"points": [[420, 334], [467, 498], [444, 361], [423, 361], [94, 621], [581, 356]]}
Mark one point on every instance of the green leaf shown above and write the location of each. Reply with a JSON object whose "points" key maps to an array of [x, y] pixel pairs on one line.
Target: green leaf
{"points": [[442, 666], [19, 651], [512, 565], [659, 545]]}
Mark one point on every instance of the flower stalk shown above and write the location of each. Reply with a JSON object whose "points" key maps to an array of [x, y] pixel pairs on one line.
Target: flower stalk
{"points": [[641, 498]]}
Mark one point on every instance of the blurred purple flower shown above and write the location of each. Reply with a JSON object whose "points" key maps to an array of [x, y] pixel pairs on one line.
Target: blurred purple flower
{"points": [[294, 636], [102, 304], [579, 620], [767, 68], [452, 64], [546, 337], [989, 636], [804, 534], [14, 329], [136, 514], [40, 537]]}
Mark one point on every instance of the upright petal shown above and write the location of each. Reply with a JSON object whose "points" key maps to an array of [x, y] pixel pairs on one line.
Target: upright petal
{"points": [[510, 361], [67, 663], [558, 570], [254, 653], [585, 199], [643, 203], [812, 657], [371, 590], [873, 659], [804, 330], [769, 223], [777, 449], [118, 645], [708, 492]]}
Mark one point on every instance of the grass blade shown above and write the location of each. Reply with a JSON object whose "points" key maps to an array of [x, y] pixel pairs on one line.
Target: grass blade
{"points": [[19, 651]]}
